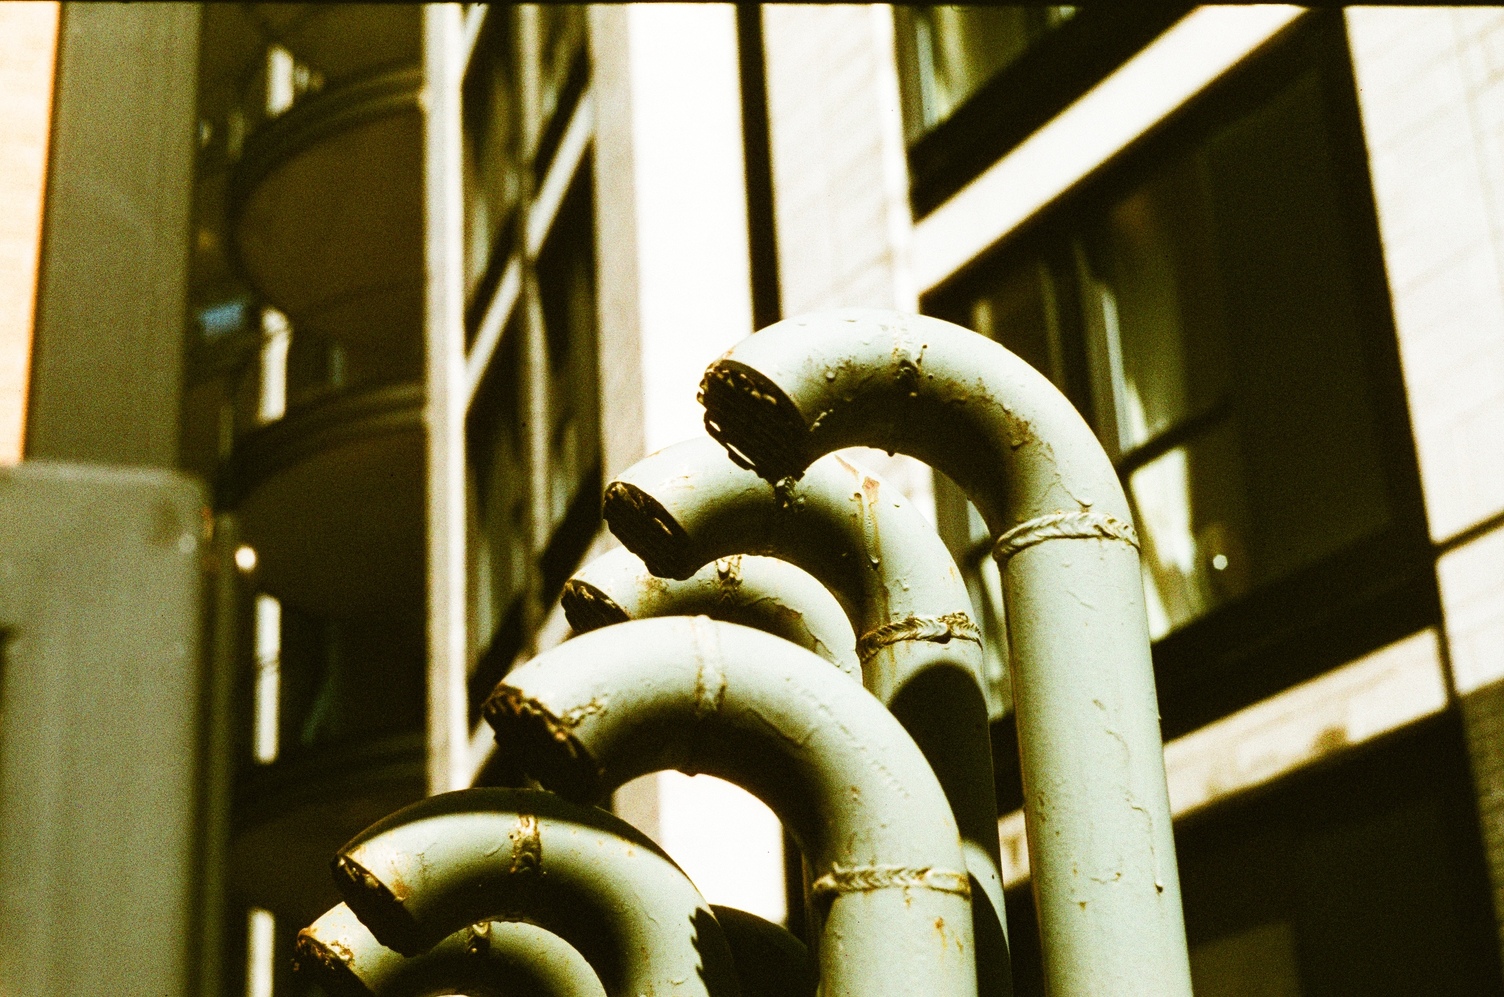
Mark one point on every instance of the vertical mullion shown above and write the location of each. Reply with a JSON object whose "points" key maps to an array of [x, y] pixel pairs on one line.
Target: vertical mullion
{"points": [[448, 729]]}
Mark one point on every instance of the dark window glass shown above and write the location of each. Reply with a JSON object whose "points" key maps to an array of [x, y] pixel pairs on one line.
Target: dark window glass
{"points": [[499, 490], [566, 290], [947, 53], [976, 81], [1208, 306], [345, 680], [561, 36], [563, 73], [492, 135]]}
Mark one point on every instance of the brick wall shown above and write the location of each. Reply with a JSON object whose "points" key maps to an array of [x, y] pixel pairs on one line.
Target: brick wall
{"points": [[1431, 92]]}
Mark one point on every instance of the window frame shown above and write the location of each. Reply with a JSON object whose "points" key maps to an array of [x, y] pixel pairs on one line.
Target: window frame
{"points": [[1050, 75], [1352, 601]]}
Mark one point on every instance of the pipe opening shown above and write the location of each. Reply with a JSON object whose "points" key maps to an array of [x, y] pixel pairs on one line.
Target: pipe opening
{"points": [[645, 528], [542, 745], [758, 424], [328, 967], [378, 907], [587, 608]]}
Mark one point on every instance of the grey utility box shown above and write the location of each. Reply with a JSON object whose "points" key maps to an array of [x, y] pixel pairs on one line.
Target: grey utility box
{"points": [[111, 800]]}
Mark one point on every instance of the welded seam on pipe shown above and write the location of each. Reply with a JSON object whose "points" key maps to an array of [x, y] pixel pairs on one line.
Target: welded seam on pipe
{"points": [[866, 878], [1064, 526], [527, 845], [937, 629], [710, 677]]}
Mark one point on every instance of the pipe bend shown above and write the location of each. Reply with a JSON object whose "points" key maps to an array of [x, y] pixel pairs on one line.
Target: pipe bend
{"points": [[704, 696], [1102, 851], [920, 650], [917, 385], [490, 959], [689, 504], [759, 592], [435, 867], [518, 959]]}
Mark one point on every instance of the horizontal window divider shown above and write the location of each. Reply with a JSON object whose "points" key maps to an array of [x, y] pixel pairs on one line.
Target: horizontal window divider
{"points": [[492, 325], [561, 172], [1379, 693], [1168, 439], [1145, 90]]}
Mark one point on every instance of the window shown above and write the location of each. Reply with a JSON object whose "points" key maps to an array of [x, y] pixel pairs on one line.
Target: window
{"points": [[949, 52], [492, 131], [1215, 307], [500, 545], [566, 289], [563, 73], [532, 426], [975, 81]]}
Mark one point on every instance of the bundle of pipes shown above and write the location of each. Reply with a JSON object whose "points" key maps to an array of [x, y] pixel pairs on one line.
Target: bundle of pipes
{"points": [[920, 652], [506, 892], [1096, 806], [893, 809]]}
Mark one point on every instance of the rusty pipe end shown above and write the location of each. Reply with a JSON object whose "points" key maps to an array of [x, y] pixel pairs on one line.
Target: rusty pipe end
{"points": [[755, 420], [543, 745], [378, 907], [328, 966], [647, 529], [587, 608]]}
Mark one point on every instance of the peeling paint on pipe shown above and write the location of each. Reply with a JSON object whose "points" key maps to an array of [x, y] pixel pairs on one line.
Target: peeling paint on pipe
{"points": [[1097, 810], [433, 868], [759, 592], [490, 959], [920, 652], [700, 695]]}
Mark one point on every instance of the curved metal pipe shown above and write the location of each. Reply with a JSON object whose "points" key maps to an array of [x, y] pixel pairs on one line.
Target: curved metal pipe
{"points": [[433, 868], [1100, 841], [699, 695], [490, 959], [759, 592], [517, 959], [921, 653]]}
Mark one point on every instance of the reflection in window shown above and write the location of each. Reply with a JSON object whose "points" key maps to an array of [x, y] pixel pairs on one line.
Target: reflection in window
{"points": [[1204, 318], [566, 287], [946, 54], [561, 36], [499, 491], [491, 130], [337, 681]]}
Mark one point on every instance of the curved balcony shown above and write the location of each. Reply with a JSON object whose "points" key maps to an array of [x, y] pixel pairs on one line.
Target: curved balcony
{"points": [[326, 213], [332, 499], [290, 818]]}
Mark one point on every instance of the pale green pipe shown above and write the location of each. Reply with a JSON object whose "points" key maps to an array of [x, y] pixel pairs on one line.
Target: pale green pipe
{"points": [[699, 695], [759, 592], [921, 653], [517, 959], [1101, 847], [490, 959], [444, 863]]}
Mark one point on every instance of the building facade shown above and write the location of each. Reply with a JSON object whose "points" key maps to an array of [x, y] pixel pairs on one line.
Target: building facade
{"points": [[408, 285]]}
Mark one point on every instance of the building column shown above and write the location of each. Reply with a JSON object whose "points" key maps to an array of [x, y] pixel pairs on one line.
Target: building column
{"points": [[674, 273], [1431, 94]]}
